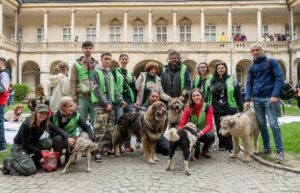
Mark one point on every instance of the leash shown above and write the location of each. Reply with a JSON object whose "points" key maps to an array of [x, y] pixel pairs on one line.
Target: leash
{"points": [[244, 112]]}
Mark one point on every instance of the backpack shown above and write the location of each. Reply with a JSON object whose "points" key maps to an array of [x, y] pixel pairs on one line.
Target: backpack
{"points": [[287, 91]]}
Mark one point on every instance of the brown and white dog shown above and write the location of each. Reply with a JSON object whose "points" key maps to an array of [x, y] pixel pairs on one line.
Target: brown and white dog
{"points": [[83, 146], [148, 126], [185, 139]]}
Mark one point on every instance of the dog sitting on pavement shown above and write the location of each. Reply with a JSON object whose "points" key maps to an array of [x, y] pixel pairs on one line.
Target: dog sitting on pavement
{"points": [[83, 146], [185, 139], [242, 126]]}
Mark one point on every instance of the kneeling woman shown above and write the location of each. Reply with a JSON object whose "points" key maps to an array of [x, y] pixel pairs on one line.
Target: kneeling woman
{"points": [[201, 114], [29, 143], [68, 119]]}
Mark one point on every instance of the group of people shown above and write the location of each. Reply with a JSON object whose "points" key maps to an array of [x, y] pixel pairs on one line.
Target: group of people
{"points": [[276, 37], [94, 98], [238, 37]]}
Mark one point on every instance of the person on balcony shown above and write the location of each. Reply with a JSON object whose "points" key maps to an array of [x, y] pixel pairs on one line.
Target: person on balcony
{"points": [[80, 81], [176, 77], [243, 37], [202, 80], [222, 37]]}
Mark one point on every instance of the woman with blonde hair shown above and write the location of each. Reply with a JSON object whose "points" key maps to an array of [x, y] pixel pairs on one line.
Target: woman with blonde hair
{"points": [[60, 85], [15, 114], [149, 81]]}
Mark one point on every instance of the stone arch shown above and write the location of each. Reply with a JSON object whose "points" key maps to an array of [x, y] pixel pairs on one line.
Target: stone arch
{"points": [[53, 65], [113, 65], [241, 70], [296, 66], [140, 67], [138, 22], [31, 76], [161, 22], [212, 65], [191, 65], [282, 66], [115, 22], [10, 64], [185, 21]]}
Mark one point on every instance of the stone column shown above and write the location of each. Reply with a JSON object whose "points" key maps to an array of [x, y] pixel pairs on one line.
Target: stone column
{"points": [[98, 25], [72, 25], [229, 25], [149, 26], [258, 24], [1, 19], [125, 25], [16, 25], [46, 25], [202, 25], [292, 24], [174, 25]]}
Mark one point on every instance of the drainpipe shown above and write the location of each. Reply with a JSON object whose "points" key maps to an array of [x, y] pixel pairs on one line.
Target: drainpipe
{"points": [[289, 49], [18, 40]]}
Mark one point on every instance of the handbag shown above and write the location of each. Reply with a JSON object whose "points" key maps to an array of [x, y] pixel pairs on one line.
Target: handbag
{"points": [[51, 160]]}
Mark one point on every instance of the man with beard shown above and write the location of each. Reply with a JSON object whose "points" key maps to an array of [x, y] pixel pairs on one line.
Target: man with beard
{"points": [[176, 78]]}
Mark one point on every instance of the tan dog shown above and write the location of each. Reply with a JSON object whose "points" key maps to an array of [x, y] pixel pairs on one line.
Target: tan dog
{"points": [[83, 146], [241, 126]]}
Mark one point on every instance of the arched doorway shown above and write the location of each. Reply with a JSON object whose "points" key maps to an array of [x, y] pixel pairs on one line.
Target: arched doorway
{"points": [[31, 76], [241, 71], [283, 69], [140, 67], [191, 65], [9, 65]]}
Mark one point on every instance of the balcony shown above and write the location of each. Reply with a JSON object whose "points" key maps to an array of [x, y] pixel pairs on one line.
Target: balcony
{"points": [[153, 47]]}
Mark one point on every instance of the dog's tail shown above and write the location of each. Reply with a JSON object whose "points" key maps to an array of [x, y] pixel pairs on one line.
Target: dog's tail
{"points": [[173, 135]]}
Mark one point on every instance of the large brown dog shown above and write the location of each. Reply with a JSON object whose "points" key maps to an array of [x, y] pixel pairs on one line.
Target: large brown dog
{"points": [[148, 126], [83, 146], [241, 126]]}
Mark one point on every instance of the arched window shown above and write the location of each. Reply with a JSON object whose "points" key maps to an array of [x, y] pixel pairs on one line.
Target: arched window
{"points": [[161, 29], [185, 29], [115, 30], [138, 30], [240, 74]]}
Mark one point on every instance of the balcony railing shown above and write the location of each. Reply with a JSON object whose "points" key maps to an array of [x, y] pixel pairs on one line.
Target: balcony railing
{"points": [[146, 46]]}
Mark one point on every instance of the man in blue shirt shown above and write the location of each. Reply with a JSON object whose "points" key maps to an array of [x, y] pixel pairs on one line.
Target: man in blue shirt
{"points": [[264, 83]]}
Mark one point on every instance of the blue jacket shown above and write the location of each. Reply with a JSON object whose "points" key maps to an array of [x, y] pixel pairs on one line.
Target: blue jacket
{"points": [[267, 80]]}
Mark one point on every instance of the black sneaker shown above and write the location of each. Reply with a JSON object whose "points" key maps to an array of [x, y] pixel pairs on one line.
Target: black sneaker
{"points": [[264, 152], [96, 156], [5, 169]]}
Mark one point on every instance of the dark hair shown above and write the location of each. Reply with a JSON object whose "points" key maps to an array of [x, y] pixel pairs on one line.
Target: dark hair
{"points": [[105, 54], [87, 43], [44, 124], [191, 103], [207, 71], [123, 55], [3, 60], [216, 77]]}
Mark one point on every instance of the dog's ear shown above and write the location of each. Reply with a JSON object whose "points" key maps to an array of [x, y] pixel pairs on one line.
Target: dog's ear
{"points": [[231, 123]]}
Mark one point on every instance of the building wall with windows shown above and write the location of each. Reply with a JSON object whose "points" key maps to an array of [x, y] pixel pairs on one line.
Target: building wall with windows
{"points": [[53, 32]]}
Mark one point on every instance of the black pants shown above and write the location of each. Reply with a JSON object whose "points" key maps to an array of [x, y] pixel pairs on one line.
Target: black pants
{"points": [[162, 146], [224, 142], [298, 100], [59, 143], [207, 139]]}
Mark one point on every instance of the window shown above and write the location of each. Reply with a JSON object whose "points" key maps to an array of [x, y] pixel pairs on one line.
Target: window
{"points": [[40, 34], [210, 33], [161, 33], [264, 30], [90, 33], [138, 33], [236, 29], [115, 33], [66, 34], [185, 30], [12, 33], [239, 74]]}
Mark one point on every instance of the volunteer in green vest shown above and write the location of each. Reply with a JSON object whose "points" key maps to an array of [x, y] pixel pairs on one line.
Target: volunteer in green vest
{"points": [[226, 100], [176, 78], [202, 80], [104, 96], [201, 114], [125, 83], [68, 119], [80, 82]]}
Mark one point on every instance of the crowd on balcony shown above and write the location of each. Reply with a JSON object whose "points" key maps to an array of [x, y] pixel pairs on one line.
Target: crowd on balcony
{"points": [[276, 37]]}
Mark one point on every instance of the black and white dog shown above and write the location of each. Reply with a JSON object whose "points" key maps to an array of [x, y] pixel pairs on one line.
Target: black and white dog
{"points": [[185, 139]]}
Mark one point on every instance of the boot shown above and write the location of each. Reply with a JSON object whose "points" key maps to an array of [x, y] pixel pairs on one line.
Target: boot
{"points": [[205, 152]]}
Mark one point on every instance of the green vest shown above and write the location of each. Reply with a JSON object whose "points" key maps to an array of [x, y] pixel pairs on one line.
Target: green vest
{"points": [[102, 86], [182, 76], [82, 73], [230, 93], [71, 126], [201, 121], [120, 80], [207, 84]]}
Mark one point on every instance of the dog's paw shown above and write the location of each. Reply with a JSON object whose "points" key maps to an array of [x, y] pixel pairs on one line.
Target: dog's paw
{"points": [[156, 159], [88, 170], [193, 158], [150, 161], [63, 172], [168, 168], [118, 155], [246, 159], [187, 173], [233, 156]]}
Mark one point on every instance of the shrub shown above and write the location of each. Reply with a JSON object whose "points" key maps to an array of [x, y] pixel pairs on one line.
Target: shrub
{"points": [[21, 91]]}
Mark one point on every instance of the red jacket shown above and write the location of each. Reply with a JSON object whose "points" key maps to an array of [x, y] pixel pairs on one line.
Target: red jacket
{"points": [[209, 118], [4, 95]]}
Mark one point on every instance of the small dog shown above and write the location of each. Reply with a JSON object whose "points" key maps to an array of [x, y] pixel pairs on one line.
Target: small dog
{"points": [[185, 138], [242, 126], [84, 146]]}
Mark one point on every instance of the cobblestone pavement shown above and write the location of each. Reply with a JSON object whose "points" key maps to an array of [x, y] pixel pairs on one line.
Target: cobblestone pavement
{"points": [[131, 173]]}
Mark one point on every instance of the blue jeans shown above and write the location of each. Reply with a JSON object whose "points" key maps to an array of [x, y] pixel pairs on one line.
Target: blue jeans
{"points": [[2, 135], [119, 111], [263, 108], [86, 108]]}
